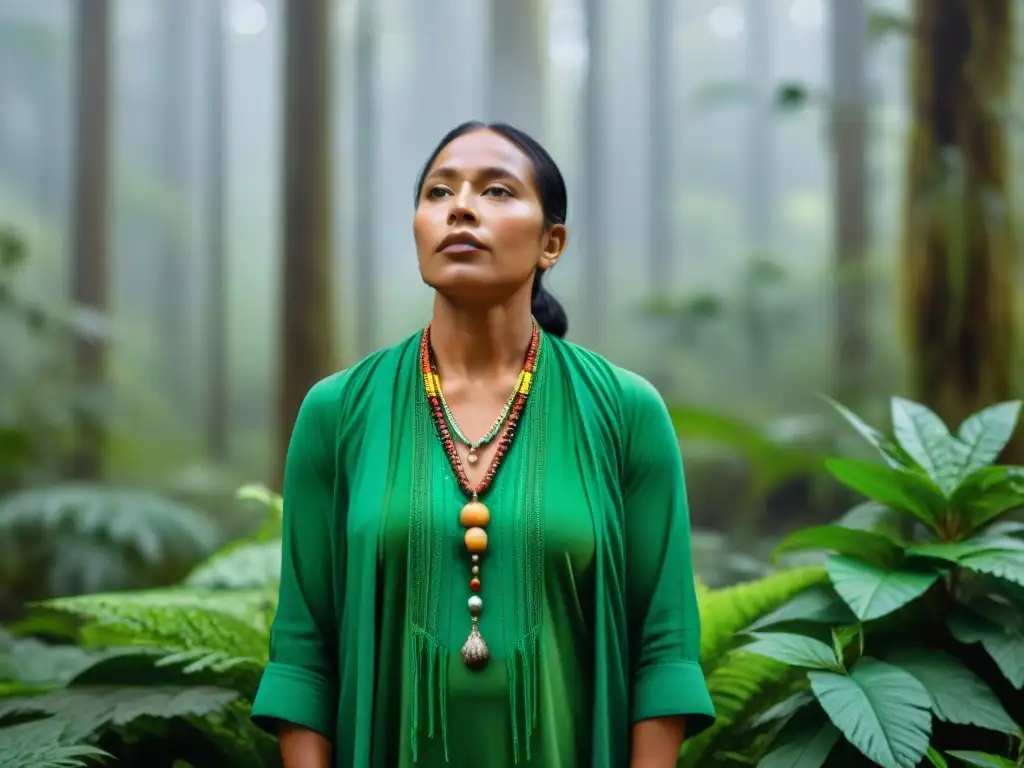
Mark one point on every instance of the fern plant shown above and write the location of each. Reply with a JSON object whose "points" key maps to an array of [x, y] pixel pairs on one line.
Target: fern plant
{"points": [[916, 647], [166, 669]]}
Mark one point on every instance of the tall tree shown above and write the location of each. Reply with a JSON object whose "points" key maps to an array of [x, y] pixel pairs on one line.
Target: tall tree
{"points": [[305, 339], [848, 46], [89, 238], [216, 257], [959, 278]]}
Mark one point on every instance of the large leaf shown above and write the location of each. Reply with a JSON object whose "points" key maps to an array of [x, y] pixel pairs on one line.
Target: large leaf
{"points": [[872, 591], [45, 744], [796, 650], [892, 453], [816, 605], [983, 759], [804, 742], [986, 433], [1005, 645], [844, 541], [1002, 563], [903, 490], [988, 493], [881, 709], [958, 695], [924, 436], [875, 518], [86, 710], [956, 552]]}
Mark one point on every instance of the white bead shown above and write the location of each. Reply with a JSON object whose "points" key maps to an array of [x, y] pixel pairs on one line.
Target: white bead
{"points": [[476, 604]]}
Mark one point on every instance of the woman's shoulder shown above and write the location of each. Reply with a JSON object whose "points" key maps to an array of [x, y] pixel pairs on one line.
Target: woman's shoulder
{"points": [[635, 394], [330, 395]]}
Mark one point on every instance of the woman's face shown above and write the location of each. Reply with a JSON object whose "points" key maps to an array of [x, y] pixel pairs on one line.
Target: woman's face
{"points": [[479, 225]]}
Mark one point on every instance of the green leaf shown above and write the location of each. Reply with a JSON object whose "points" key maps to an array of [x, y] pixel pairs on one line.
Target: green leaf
{"points": [[796, 650], [875, 518], [45, 744], [1003, 644], [983, 759], [882, 710], [892, 453], [958, 695], [784, 708], [988, 493], [817, 605], [924, 436], [1002, 563], [936, 758], [844, 541], [899, 489], [86, 710], [804, 742], [873, 592], [955, 552], [986, 433]]}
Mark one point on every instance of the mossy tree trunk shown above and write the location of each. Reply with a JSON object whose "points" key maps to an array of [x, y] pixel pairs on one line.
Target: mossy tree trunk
{"points": [[306, 349], [958, 264]]}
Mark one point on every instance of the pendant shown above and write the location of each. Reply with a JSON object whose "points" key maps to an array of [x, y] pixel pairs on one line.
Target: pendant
{"points": [[471, 457], [475, 653]]}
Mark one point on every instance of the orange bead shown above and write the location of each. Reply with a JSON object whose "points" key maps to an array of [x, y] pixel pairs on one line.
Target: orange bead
{"points": [[476, 540], [474, 515], [474, 584]]}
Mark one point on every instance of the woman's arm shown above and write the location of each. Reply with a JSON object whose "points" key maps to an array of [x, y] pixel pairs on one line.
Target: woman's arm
{"points": [[670, 696], [297, 696], [657, 741]]}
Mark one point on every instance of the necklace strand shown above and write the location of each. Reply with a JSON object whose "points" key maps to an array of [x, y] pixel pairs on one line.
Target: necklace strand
{"points": [[475, 516]]}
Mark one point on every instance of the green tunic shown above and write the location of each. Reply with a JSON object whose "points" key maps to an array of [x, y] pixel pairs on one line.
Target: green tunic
{"points": [[589, 606]]}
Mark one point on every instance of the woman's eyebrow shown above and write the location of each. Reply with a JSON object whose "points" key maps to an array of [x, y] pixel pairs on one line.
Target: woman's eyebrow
{"points": [[488, 173]]}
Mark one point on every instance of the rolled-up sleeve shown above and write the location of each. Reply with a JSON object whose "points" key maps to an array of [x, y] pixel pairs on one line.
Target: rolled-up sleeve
{"points": [[299, 684], [664, 625]]}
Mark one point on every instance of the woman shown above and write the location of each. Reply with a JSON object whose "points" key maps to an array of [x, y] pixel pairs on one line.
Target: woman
{"points": [[486, 535]]}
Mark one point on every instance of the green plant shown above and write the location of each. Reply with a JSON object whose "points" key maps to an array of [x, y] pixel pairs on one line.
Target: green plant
{"points": [[78, 538], [150, 676], [916, 645]]}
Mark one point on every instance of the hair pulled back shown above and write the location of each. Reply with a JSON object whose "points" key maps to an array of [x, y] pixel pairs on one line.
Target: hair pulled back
{"points": [[547, 178]]}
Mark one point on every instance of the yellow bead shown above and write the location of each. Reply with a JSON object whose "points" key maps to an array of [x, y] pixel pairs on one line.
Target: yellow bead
{"points": [[474, 515], [476, 540]]}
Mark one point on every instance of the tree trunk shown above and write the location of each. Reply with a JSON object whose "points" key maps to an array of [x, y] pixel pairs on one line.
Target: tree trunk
{"points": [[849, 32], [90, 218], [217, 436], [305, 339], [958, 266]]}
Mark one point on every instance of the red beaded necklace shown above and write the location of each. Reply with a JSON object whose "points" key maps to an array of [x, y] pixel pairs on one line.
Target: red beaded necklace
{"points": [[475, 516]]}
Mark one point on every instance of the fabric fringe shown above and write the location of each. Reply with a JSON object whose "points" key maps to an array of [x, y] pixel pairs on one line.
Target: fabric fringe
{"points": [[428, 655]]}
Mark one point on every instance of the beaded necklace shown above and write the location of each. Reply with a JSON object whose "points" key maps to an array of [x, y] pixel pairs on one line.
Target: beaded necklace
{"points": [[475, 516], [472, 457]]}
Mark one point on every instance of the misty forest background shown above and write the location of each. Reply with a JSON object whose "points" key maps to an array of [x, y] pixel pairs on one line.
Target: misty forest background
{"points": [[205, 207]]}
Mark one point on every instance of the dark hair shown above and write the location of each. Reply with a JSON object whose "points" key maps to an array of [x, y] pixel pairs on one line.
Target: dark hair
{"points": [[554, 202]]}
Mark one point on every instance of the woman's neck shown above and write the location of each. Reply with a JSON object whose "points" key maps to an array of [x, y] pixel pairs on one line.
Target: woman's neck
{"points": [[479, 343]]}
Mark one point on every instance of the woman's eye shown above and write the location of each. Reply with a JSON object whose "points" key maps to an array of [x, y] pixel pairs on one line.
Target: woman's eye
{"points": [[497, 192], [437, 192]]}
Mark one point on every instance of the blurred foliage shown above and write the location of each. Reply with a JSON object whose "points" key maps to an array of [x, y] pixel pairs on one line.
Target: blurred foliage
{"points": [[40, 402], [913, 649]]}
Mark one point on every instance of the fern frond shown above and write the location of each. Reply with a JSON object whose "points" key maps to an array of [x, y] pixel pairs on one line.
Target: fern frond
{"points": [[726, 612], [86, 710], [45, 744], [217, 628], [246, 565], [742, 686]]}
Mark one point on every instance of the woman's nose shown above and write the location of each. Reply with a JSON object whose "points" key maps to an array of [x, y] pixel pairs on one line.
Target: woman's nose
{"points": [[462, 209]]}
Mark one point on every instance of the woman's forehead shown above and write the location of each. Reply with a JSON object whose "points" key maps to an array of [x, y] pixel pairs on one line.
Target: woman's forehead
{"points": [[481, 151]]}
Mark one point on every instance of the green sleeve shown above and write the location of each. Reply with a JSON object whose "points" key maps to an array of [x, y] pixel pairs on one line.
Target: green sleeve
{"points": [[299, 684], [664, 624]]}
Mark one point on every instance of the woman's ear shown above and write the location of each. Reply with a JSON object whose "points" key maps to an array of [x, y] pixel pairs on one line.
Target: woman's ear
{"points": [[555, 239]]}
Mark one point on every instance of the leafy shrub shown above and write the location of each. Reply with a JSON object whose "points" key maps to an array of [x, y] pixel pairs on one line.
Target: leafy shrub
{"points": [[85, 538], [153, 676], [916, 646]]}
